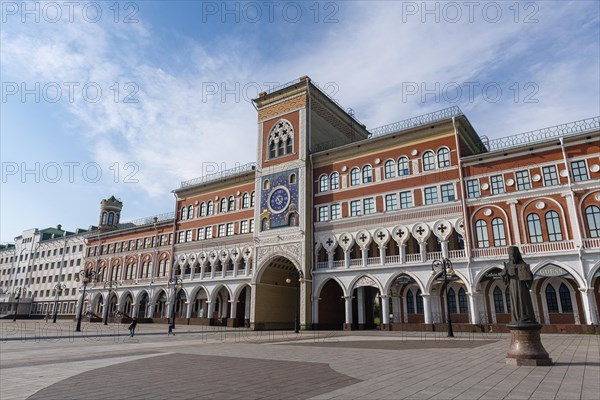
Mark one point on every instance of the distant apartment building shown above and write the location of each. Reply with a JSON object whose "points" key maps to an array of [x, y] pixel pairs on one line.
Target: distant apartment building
{"points": [[38, 270]]}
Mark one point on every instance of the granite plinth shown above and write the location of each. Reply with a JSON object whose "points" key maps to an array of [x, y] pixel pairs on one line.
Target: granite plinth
{"points": [[526, 346]]}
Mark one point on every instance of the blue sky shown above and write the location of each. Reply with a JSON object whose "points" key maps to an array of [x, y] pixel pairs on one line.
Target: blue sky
{"points": [[162, 115]]}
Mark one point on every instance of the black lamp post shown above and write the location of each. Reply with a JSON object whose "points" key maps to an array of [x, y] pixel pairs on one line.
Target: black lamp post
{"points": [[17, 293], [85, 277], [58, 289], [110, 285], [176, 284], [297, 316], [445, 266]]}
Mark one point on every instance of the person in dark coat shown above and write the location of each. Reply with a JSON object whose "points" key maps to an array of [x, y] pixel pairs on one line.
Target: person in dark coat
{"points": [[132, 327]]}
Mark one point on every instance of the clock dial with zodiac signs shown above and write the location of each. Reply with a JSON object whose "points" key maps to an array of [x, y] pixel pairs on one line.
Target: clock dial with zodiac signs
{"points": [[279, 199]]}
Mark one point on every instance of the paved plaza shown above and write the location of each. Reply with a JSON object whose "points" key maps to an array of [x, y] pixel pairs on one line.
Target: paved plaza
{"points": [[42, 361]]}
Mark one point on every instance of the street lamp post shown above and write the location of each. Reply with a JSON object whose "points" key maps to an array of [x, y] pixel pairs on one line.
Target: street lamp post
{"points": [[110, 285], [176, 283], [445, 266], [297, 316], [58, 289], [85, 277], [17, 293]]}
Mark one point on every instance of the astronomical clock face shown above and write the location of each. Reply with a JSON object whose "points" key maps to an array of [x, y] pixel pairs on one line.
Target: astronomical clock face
{"points": [[279, 199]]}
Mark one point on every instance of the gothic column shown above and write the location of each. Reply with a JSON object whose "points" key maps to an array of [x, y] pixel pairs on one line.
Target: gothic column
{"points": [[396, 304], [382, 252], [188, 310], [365, 256], [427, 307], [573, 217], [236, 265], [474, 307], [212, 270], [402, 249], [385, 312], [330, 259], [134, 310], [423, 251], [202, 270], [211, 308], [348, 312], [445, 253], [150, 313], [233, 311], [248, 303], [347, 259], [361, 307]]}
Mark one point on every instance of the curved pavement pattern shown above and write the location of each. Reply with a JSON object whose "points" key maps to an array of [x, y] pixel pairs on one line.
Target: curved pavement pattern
{"points": [[177, 375]]}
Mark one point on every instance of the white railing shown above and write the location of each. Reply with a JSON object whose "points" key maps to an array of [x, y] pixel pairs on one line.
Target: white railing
{"points": [[373, 260], [413, 258], [593, 243], [338, 264], [185, 276], [322, 265], [547, 247], [490, 252], [434, 255], [455, 254], [392, 259], [356, 262]]}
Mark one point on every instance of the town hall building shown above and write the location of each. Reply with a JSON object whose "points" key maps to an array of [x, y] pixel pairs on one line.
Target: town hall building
{"points": [[336, 226]]}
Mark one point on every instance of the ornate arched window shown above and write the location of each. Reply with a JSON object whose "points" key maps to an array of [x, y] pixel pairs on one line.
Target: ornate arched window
{"points": [[367, 174], [111, 218], [104, 216], [428, 161], [553, 226], [202, 209], [443, 156], [451, 301], [210, 208], [389, 169], [551, 301], [334, 181], [419, 302], [184, 213], [191, 212], [252, 198], [355, 176], [462, 301], [498, 301], [281, 139], [565, 299], [482, 234], [410, 302], [403, 166], [323, 183], [498, 232], [245, 200], [231, 205], [223, 205], [592, 215], [535, 228]]}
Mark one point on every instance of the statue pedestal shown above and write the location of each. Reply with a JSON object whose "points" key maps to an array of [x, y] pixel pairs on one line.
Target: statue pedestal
{"points": [[526, 347]]}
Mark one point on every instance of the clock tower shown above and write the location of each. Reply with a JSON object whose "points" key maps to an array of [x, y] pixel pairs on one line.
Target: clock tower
{"points": [[293, 120]]}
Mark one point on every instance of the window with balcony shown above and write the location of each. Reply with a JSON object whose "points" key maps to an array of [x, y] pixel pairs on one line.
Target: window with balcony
{"points": [[553, 226], [535, 228], [498, 232], [481, 230]]}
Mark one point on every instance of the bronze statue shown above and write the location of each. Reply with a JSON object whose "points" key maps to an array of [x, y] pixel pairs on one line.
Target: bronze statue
{"points": [[517, 275]]}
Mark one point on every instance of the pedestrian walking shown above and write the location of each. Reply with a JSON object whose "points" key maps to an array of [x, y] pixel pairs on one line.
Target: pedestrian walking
{"points": [[170, 331], [132, 327]]}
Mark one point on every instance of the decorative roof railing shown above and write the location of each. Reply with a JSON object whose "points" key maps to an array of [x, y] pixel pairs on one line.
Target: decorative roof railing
{"points": [[152, 219], [414, 122], [220, 175], [568, 129]]}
